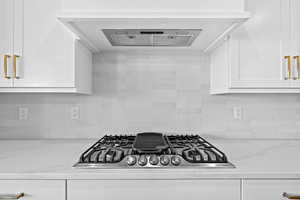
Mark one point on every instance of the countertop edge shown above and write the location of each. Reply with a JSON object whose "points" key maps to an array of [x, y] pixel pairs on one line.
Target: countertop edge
{"points": [[94, 176]]}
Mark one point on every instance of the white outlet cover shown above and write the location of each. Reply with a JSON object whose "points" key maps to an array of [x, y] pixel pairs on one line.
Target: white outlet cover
{"points": [[23, 113], [75, 112], [237, 112]]}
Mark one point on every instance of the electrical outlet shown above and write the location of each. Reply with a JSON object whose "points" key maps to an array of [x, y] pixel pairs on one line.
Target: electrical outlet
{"points": [[75, 112], [237, 112], [23, 113]]}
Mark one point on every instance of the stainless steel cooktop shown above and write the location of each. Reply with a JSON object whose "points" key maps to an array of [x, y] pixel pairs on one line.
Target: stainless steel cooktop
{"points": [[153, 150]]}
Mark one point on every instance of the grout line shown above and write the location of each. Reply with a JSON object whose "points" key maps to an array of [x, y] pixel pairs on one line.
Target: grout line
{"points": [[241, 189], [66, 189]]}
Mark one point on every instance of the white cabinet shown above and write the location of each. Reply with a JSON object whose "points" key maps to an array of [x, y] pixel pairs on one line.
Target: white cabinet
{"points": [[153, 189], [219, 69], [6, 41], [259, 46], [254, 55], [44, 49], [33, 189], [43, 55], [269, 189], [295, 30], [260, 56]]}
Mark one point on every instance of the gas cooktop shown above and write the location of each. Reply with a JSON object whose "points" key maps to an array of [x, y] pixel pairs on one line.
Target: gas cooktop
{"points": [[153, 150]]}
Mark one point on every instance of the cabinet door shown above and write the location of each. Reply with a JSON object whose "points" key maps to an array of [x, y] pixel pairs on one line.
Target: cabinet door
{"points": [[295, 30], [219, 68], [33, 189], [44, 45], [6, 40], [153, 189], [269, 189], [259, 46]]}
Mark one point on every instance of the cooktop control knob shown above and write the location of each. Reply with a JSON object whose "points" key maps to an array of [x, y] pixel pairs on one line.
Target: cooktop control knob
{"points": [[153, 160], [175, 160], [131, 160], [164, 160], [142, 160]]}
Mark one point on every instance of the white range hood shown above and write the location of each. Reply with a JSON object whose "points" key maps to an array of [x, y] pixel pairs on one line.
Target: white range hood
{"points": [[93, 28]]}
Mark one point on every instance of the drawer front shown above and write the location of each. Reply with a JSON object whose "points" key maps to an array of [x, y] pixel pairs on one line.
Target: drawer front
{"points": [[34, 189], [153, 189], [269, 189]]}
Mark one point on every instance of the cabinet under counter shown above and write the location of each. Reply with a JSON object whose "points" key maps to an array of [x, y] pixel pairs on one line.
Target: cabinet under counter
{"points": [[33, 189], [153, 189]]}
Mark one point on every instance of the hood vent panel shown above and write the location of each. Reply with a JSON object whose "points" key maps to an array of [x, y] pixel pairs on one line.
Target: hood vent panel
{"points": [[151, 37], [200, 30]]}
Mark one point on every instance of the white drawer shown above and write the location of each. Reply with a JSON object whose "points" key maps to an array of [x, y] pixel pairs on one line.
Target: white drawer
{"points": [[34, 189], [153, 189], [269, 189]]}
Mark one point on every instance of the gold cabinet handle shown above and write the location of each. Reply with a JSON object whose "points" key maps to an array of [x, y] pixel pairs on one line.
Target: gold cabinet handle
{"points": [[5, 66], [291, 196], [12, 196], [297, 58], [15, 66], [289, 66]]}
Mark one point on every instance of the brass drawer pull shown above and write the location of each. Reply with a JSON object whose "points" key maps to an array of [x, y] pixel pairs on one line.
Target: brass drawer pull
{"points": [[15, 66], [12, 196], [291, 196], [297, 58], [289, 67], [5, 66]]}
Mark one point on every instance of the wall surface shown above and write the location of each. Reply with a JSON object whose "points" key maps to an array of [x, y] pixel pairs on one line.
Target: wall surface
{"points": [[150, 91], [140, 5]]}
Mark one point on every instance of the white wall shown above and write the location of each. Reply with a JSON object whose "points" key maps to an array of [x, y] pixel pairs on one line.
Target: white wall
{"points": [[229, 5], [150, 91]]}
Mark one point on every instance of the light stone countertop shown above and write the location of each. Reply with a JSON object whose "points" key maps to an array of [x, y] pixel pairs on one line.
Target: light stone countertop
{"points": [[53, 159]]}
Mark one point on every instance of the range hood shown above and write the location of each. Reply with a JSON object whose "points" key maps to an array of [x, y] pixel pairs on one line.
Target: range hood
{"points": [[109, 30], [151, 37]]}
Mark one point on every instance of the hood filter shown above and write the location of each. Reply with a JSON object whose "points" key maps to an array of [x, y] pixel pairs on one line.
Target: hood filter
{"points": [[151, 37]]}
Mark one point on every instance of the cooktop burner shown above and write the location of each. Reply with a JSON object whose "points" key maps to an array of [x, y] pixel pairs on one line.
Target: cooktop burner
{"points": [[153, 150]]}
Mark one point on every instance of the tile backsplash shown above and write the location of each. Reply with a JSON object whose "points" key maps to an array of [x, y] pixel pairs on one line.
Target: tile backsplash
{"points": [[150, 91]]}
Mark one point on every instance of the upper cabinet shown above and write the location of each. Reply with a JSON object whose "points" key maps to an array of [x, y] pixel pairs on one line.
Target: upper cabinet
{"points": [[295, 34], [261, 56], [38, 54], [6, 41]]}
